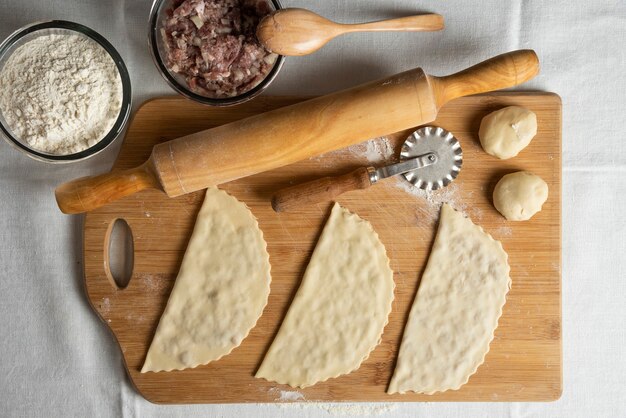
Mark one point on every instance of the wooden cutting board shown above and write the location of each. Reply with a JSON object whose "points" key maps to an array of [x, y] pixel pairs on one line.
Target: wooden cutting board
{"points": [[524, 363]]}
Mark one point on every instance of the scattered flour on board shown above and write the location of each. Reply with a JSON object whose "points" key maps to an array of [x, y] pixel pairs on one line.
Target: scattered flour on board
{"points": [[135, 318], [376, 151], [105, 306], [476, 214], [287, 395], [504, 231], [434, 198], [152, 282]]}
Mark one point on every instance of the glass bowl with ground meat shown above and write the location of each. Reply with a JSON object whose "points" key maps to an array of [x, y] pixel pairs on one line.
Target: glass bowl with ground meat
{"points": [[207, 49]]}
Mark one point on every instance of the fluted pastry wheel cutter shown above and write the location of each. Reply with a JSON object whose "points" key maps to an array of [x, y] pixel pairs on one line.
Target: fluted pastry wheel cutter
{"points": [[430, 158]]}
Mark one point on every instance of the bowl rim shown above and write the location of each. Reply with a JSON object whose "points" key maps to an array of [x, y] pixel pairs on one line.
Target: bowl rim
{"points": [[125, 108], [183, 90]]}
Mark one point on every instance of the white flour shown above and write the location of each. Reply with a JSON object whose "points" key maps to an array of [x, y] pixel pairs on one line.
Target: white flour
{"points": [[378, 150], [434, 198], [287, 395], [60, 94], [343, 409], [358, 409], [105, 307]]}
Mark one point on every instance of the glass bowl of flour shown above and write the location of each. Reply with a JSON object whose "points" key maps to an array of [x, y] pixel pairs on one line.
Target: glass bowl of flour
{"points": [[65, 92]]}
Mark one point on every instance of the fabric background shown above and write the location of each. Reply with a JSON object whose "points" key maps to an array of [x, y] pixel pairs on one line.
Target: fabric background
{"points": [[57, 359]]}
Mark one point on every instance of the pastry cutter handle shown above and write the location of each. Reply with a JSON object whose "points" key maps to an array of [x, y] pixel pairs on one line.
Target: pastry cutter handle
{"points": [[325, 188]]}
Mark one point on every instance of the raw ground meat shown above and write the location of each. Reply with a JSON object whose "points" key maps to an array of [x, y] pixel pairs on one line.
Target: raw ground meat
{"points": [[212, 43]]}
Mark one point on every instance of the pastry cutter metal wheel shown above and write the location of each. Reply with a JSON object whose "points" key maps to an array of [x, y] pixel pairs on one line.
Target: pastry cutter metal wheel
{"points": [[430, 159]]}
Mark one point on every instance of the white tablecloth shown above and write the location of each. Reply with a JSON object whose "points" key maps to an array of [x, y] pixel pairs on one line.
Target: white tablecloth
{"points": [[57, 359]]}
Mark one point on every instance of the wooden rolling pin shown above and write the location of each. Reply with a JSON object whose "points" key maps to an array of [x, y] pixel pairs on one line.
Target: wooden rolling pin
{"points": [[292, 133]]}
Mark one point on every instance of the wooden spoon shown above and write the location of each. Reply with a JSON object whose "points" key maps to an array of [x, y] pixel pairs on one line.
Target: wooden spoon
{"points": [[295, 31]]}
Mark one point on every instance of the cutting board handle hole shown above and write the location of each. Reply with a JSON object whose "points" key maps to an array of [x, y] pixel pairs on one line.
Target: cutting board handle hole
{"points": [[119, 253]]}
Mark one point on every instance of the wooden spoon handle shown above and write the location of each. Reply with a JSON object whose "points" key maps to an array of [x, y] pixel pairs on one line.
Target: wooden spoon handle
{"points": [[500, 72], [417, 23], [325, 188], [88, 193]]}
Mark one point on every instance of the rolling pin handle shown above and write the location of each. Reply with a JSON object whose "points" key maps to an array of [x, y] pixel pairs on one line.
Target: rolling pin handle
{"points": [[500, 72], [88, 193], [325, 188]]}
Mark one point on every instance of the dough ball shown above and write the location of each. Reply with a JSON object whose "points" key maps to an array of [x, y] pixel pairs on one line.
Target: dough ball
{"points": [[505, 132], [518, 196]]}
